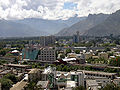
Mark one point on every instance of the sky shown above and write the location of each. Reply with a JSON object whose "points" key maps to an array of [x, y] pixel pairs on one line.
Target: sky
{"points": [[55, 9]]}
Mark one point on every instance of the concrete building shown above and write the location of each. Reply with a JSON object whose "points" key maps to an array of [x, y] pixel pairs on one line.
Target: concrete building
{"points": [[44, 85], [117, 81], [91, 85], [76, 37], [47, 54], [47, 40], [17, 67], [19, 86], [34, 75], [5, 72], [88, 55], [103, 55], [71, 55], [78, 77], [92, 74]]}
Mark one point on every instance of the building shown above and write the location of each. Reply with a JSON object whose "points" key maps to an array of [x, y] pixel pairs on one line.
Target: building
{"points": [[103, 55], [92, 74], [47, 54], [88, 55], [47, 40], [19, 85], [5, 72], [34, 75], [76, 37], [71, 55], [29, 53], [91, 85], [44, 85], [17, 67], [49, 74], [117, 81], [78, 77]]}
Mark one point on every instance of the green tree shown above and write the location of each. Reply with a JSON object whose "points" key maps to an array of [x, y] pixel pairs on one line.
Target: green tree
{"points": [[12, 77], [77, 51], [6, 83], [62, 56], [111, 87], [31, 86], [68, 51]]}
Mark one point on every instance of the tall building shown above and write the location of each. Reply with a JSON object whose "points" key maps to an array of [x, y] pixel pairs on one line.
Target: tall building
{"points": [[76, 37], [30, 52], [47, 40], [78, 77], [47, 54]]}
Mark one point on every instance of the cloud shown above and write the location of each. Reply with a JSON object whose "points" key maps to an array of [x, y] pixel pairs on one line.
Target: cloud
{"points": [[55, 9]]}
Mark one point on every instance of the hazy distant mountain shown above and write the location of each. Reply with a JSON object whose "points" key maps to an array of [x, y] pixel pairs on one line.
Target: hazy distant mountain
{"points": [[34, 27], [49, 26], [110, 26], [84, 25], [12, 29], [72, 20]]}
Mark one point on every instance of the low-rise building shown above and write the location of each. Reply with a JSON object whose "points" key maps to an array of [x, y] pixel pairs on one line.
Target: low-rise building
{"points": [[19, 86], [88, 55], [92, 85], [34, 75], [103, 55], [43, 85]]}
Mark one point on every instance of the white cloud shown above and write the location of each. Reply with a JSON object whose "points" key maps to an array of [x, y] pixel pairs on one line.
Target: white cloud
{"points": [[53, 9]]}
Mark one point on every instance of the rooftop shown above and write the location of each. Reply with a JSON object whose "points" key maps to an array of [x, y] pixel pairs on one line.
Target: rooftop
{"points": [[16, 65], [33, 71], [44, 84], [19, 86], [91, 83], [96, 72]]}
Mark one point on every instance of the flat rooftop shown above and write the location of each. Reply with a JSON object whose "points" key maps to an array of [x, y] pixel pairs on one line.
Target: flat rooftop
{"points": [[19, 86], [17, 65], [44, 84], [97, 72], [4, 72], [34, 70], [91, 83]]}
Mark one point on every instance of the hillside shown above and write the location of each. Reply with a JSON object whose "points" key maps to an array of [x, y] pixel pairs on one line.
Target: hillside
{"points": [[84, 25], [12, 29], [110, 26]]}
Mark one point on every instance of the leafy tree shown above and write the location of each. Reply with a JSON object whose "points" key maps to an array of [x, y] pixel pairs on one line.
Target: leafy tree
{"points": [[31, 86], [107, 49], [6, 83], [8, 54], [12, 77], [77, 51], [111, 87], [68, 51], [4, 51], [62, 56]]}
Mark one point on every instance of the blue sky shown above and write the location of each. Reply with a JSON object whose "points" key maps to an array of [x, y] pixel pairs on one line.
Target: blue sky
{"points": [[69, 5]]}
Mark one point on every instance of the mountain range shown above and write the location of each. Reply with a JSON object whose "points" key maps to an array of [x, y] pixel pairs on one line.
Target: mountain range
{"points": [[109, 26], [95, 25], [84, 25], [34, 26]]}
